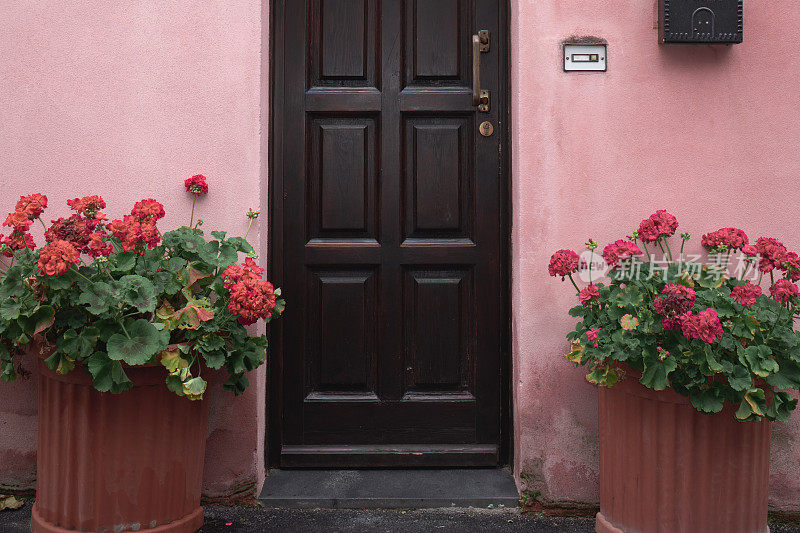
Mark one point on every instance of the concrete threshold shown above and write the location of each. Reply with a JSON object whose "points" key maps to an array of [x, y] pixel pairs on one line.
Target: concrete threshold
{"points": [[389, 489]]}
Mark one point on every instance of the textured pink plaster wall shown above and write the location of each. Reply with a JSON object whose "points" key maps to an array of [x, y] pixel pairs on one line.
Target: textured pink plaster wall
{"points": [[708, 132], [126, 99]]}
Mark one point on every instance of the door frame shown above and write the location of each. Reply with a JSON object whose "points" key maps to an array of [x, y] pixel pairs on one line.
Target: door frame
{"points": [[274, 238]]}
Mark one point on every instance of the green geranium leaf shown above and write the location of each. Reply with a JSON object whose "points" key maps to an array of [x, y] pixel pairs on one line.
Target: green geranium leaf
{"points": [[107, 375], [228, 255], [7, 371], [98, 297], [236, 383], [759, 359], [712, 362], [64, 281], [219, 235], [10, 309], [139, 292], [212, 348], [707, 401], [656, 372], [241, 245], [740, 379], [194, 388], [122, 261], [12, 285], [782, 406], [141, 343], [753, 406], [79, 344], [788, 377]]}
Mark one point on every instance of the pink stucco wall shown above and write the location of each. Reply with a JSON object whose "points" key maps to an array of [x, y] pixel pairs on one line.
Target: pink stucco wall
{"points": [[708, 132], [126, 99]]}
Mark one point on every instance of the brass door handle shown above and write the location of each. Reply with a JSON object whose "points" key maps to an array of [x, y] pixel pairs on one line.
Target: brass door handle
{"points": [[480, 44]]}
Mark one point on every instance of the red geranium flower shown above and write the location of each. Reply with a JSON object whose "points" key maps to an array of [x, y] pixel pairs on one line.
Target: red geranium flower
{"points": [[592, 335], [675, 305], [732, 238], [791, 265], [563, 263], [772, 252], [32, 205], [196, 184], [784, 290], [148, 209], [18, 220], [56, 257], [87, 206], [133, 233], [99, 245], [745, 294], [705, 326], [659, 224], [251, 297], [619, 251], [587, 295], [17, 241], [74, 229]]}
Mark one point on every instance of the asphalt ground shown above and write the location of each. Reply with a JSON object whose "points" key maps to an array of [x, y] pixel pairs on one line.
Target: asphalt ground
{"points": [[256, 519]]}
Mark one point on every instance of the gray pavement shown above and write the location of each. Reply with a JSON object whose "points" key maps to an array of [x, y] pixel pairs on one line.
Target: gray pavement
{"points": [[256, 519]]}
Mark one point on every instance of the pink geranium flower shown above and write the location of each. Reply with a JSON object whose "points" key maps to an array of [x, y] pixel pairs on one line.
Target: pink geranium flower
{"points": [[587, 295], [675, 305], [745, 294], [563, 263], [732, 238], [784, 290], [619, 251], [705, 326], [659, 224]]}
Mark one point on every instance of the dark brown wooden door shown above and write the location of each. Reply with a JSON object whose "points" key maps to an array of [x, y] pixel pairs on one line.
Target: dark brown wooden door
{"points": [[387, 234]]}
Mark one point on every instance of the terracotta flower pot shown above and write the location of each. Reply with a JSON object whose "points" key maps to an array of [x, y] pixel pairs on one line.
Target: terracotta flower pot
{"points": [[664, 467], [111, 463]]}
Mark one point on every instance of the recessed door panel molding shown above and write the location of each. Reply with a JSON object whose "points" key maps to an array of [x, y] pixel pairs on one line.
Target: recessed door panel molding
{"points": [[343, 44], [341, 331], [437, 42], [438, 181], [342, 177], [388, 235], [439, 331]]}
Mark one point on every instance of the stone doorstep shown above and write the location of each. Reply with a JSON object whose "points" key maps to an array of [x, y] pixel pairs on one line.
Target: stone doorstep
{"points": [[390, 489]]}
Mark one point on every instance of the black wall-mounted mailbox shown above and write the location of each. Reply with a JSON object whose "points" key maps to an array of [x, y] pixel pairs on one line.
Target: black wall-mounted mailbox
{"points": [[700, 21]]}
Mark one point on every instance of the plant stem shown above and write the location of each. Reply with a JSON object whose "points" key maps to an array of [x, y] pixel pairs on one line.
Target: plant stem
{"points": [[125, 331], [81, 275], [591, 259], [191, 219], [42, 221], [573, 283], [683, 243], [644, 247], [249, 225], [668, 250], [771, 278]]}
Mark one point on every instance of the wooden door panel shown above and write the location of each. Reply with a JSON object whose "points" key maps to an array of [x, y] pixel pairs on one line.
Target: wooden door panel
{"points": [[343, 44], [341, 333], [438, 180], [440, 334], [391, 236], [438, 41], [342, 178]]}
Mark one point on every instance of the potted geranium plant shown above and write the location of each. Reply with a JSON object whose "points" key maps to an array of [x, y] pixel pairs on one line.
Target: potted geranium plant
{"points": [[693, 363], [125, 321]]}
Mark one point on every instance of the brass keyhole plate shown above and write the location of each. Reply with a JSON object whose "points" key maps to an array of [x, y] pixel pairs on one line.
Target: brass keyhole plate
{"points": [[486, 128]]}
